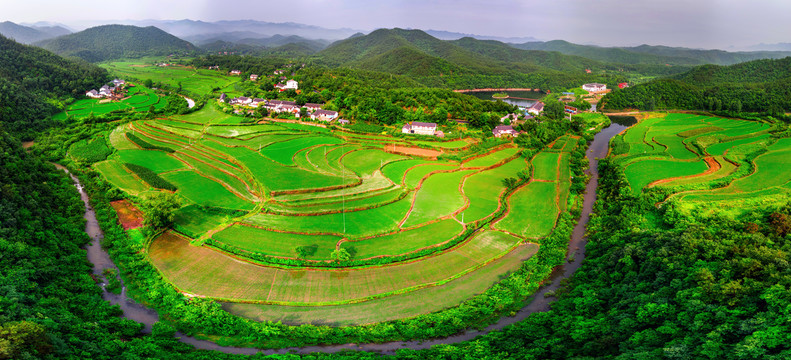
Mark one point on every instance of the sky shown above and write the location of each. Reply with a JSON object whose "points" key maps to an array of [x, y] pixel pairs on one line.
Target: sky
{"points": [[723, 24]]}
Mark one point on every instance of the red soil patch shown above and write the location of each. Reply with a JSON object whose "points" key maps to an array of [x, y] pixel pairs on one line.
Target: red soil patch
{"points": [[413, 151], [128, 215], [710, 162]]}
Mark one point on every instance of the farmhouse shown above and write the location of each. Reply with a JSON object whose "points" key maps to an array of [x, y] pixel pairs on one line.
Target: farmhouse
{"points": [[223, 97], [570, 109], [623, 85], [236, 72], [291, 84], [501, 130], [313, 107], [118, 82], [253, 77], [536, 109], [215, 67], [281, 105], [257, 101], [242, 100], [511, 117], [594, 87], [93, 94], [324, 115], [420, 128], [343, 121]]}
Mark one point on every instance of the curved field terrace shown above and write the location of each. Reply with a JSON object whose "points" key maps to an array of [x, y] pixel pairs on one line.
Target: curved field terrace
{"points": [[305, 224]]}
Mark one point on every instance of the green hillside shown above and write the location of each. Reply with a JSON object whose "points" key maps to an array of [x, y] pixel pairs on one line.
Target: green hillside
{"points": [[33, 82], [757, 71], [754, 86], [109, 42]]}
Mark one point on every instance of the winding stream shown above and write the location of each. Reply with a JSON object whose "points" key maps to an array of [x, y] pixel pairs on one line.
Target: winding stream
{"points": [[575, 254]]}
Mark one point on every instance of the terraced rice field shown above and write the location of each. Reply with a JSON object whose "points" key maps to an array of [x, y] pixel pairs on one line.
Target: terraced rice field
{"points": [[309, 221], [709, 164]]}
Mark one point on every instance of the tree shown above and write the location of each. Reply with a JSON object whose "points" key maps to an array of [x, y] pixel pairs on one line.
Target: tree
{"points": [[340, 255], [148, 83], [159, 209]]}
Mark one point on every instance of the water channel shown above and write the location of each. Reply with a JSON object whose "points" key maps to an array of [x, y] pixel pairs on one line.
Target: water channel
{"points": [[539, 303]]}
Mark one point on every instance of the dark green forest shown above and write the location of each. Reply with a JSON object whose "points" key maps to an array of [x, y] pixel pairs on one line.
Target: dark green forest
{"points": [[34, 83]]}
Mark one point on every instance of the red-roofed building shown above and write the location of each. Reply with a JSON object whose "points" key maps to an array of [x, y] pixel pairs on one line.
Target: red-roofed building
{"points": [[623, 85]]}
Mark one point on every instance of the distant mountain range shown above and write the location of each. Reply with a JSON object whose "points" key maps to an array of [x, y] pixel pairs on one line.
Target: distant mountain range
{"points": [[196, 29], [416, 53], [648, 54], [110, 42], [30, 34]]}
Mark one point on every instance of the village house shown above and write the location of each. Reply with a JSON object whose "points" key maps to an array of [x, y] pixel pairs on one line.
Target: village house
{"points": [[594, 87], [281, 106], [93, 94], [511, 117], [242, 100], [419, 128], [570, 109], [623, 85], [257, 101], [536, 109], [118, 82], [215, 67], [253, 77], [236, 72], [501, 130], [291, 84], [343, 121], [324, 115], [223, 97], [313, 107], [278, 72]]}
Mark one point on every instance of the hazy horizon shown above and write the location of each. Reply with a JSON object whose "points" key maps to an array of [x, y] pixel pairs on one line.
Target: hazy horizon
{"points": [[709, 24]]}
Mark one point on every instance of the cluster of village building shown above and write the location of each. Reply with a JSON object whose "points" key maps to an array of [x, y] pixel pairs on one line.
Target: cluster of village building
{"points": [[315, 111], [106, 91]]}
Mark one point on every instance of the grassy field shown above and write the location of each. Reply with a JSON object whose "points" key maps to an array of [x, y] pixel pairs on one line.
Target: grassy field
{"points": [[439, 196], [545, 166], [641, 173], [483, 189], [421, 301], [404, 241], [491, 159], [202, 271], [276, 243], [117, 175], [200, 190], [532, 212], [730, 188], [357, 223], [198, 81]]}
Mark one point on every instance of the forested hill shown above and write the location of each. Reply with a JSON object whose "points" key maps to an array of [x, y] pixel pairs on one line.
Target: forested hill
{"points": [[755, 86], [109, 42], [758, 71], [33, 80], [648, 54]]}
